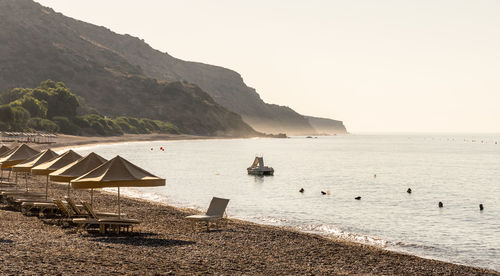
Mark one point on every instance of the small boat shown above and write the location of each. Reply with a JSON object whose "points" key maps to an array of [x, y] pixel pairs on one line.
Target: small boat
{"points": [[258, 168]]}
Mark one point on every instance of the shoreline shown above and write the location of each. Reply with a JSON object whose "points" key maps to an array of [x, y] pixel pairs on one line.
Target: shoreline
{"points": [[75, 141], [165, 244]]}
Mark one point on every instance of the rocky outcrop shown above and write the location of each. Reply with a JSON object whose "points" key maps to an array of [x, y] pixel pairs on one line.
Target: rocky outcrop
{"points": [[326, 126]]}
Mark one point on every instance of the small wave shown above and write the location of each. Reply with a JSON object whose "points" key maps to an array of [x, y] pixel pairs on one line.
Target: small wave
{"points": [[333, 231]]}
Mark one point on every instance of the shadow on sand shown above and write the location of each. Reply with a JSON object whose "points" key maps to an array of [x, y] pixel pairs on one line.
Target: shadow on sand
{"points": [[140, 239], [6, 241]]}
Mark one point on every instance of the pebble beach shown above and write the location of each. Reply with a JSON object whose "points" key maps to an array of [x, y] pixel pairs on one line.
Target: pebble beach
{"points": [[165, 244]]}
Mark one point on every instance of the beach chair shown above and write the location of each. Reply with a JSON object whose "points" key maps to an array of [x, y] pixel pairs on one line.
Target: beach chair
{"points": [[215, 213], [96, 219], [39, 208], [88, 210], [65, 214], [77, 209]]}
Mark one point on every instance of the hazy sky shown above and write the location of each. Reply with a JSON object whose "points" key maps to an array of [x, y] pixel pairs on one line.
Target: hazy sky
{"points": [[395, 66]]}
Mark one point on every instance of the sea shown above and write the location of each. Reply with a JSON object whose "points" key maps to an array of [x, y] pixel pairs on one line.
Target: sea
{"points": [[459, 170]]}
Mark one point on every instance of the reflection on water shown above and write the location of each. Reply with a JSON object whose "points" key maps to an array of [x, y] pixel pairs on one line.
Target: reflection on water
{"points": [[459, 170]]}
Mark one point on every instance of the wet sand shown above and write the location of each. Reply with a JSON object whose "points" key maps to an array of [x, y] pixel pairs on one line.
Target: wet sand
{"points": [[165, 244]]}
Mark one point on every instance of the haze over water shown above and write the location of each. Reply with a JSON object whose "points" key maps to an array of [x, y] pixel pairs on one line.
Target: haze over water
{"points": [[462, 171]]}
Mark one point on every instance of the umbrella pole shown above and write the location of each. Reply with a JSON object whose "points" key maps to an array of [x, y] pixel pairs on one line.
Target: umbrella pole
{"points": [[119, 213], [26, 177], [1, 177], [68, 188], [92, 198], [47, 188], [16, 177], [8, 178]]}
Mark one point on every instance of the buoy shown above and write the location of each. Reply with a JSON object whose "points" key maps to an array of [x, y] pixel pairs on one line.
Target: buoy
{"points": [[357, 198], [151, 148], [301, 190], [375, 176], [481, 207], [328, 192], [323, 193], [409, 190], [440, 204]]}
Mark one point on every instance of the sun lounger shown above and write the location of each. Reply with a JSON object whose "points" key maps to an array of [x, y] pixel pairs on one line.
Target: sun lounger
{"points": [[104, 223], [84, 210], [215, 213], [97, 214], [8, 184], [12, 198], [40, 208], [64, 214]]}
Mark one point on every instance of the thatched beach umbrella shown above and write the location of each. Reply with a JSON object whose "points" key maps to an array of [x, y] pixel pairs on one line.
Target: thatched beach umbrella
{"points": [[4, 149], [117, 172], [53, 165], [34, 161], [77, 169], [17, 156]]}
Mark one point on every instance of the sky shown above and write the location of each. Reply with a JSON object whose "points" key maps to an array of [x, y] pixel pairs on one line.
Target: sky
{"points": [[379, 66]]}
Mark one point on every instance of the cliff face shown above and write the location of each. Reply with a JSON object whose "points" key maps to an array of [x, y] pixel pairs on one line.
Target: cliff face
{"points": [[327, 126], [38, 44], [225, 86]]}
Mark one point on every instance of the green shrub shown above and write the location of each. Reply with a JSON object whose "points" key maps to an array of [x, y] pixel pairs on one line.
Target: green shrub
{"points": [[66, 126], [43, 125]]}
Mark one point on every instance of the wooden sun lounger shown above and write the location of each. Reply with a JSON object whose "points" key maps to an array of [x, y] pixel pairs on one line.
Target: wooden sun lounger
{"points": [[41, 209], [115, 224], [16, 199], [84, 210]]}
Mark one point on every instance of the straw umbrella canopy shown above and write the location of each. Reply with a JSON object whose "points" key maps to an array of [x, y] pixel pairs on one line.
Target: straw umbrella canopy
{"points": [[117, 172], [53, 165], [17, 156], [34, 161], [4, 149], [77, 169]]}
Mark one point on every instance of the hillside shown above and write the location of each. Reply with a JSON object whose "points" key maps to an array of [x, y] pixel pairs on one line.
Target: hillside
{"points": [[225, 86], [86, 55], [37, 44]]}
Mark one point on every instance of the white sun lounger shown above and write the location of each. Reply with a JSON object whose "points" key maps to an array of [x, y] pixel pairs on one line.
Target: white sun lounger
{"points": [[215, 213]]}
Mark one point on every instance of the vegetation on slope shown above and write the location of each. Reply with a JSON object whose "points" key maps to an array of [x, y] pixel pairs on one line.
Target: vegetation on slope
{"points": [[51, 107]]}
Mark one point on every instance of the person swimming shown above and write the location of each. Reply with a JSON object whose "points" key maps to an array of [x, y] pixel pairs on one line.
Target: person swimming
{"points": [[481, 207], [301, 190], [440, 204], [409, 190], [357, 198]]}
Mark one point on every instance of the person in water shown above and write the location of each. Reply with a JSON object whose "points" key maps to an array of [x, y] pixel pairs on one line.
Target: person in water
{"points": [[440, 204]]}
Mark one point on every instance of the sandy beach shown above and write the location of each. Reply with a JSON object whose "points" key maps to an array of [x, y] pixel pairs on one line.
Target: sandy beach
{"points": [[165, 244]]}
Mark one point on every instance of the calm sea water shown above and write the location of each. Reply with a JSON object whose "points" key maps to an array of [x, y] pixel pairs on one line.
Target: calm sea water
{"points": [[462, 171]]}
